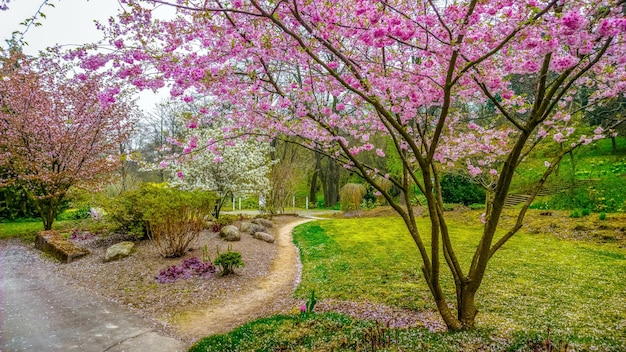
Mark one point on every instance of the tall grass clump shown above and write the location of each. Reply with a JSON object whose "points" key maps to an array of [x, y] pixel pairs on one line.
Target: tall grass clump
{"points": [[351, 195]]}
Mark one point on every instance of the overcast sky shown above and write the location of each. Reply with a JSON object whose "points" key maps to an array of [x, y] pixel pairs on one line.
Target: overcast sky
{"points": [[69, 23]]}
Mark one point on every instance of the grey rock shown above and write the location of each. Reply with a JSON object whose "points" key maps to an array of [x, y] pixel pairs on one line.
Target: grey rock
{"points": [[250, 228], [264, 236], [119, 251], [263, 222], [230, 233]]}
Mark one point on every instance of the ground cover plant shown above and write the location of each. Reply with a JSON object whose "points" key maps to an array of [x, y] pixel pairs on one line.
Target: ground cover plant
{"points": [[537, 281], [336, 332]]}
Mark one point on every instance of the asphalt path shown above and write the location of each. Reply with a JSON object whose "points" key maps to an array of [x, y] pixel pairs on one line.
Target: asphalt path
{"points": [[38, 312]]}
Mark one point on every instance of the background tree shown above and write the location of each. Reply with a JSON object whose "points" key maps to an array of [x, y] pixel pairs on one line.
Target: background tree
{"points": [[57, 129], [291, 165], [332, 73], [225, 166]]}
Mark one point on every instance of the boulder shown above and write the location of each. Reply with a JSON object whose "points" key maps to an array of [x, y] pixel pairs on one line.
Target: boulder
{"points": [[57, 246], [119, 251], [263, 222], [264, 236], [250, 228], [230, 233]]}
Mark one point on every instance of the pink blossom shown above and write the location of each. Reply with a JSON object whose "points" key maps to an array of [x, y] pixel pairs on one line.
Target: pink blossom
{"points": [[180, 175], [380, 153], [546, 163], [572, 21], [218, 159], [333, 65], [559, 137], [163, 164], [472, 126], [493, 172], [474, 170], [562, 63], [340, 107]]}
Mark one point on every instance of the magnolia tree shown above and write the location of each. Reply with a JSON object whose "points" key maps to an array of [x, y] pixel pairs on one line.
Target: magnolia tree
{"points": [[335, 73], [57, 129], [228, 167]]}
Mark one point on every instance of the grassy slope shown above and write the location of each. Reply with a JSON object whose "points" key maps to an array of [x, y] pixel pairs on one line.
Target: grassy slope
{"points": [[534, 282]]}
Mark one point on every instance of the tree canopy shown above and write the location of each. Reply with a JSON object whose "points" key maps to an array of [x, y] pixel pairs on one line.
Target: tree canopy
{"points": [[57, 129]]}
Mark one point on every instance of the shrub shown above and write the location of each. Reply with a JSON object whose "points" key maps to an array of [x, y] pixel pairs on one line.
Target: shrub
{"points": [[574, 214], [174, 218], [586, 212], [460, 189], [126, 210], [350, 196], [75, 214], [171, 218], [477, 206], [228, 261], [369, 204], [15, 204], [602, 216]]}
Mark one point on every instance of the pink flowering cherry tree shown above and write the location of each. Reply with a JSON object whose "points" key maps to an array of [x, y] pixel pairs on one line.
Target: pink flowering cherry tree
{"points": [[335, 73], [57, 129]]}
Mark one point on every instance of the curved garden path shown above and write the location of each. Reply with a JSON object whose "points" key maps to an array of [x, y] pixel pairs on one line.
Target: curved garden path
{"points": [[270, 294]]}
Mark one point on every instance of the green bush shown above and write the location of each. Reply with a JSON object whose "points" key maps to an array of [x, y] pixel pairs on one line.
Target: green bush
{"points": [[575, 198], [15, 204], [602, 216], [75, 214], [460, 189], [228, 261], [607, 194], [126, 210], [172, 218], [574, 214]]}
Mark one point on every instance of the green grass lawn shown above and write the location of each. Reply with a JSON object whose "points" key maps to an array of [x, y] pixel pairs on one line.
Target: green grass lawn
{"points": [[27, 229], [536, 281]]}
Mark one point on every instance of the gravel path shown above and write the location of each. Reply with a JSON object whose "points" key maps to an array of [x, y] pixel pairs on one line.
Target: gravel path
{"points": [[266, 296]]}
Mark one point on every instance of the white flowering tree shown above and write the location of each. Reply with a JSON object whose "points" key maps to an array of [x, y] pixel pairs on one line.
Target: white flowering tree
{"points": [[227, 167]]}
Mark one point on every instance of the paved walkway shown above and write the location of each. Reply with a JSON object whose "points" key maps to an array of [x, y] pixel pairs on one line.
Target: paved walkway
{"points": [[39, 313]]}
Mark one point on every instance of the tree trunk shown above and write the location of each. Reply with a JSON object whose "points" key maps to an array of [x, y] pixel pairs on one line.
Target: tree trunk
{"points": [[613, 142], [467, 308], [47, 210], [219, 204], [314, 177], [329, 175]]}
